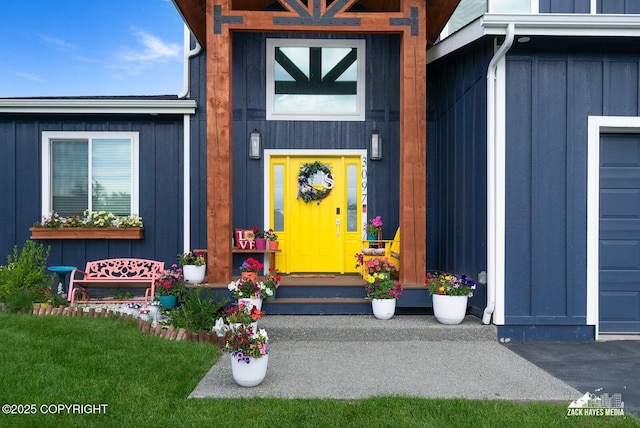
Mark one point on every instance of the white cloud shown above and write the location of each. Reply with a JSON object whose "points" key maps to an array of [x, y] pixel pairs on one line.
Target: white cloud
{"points": [[56, 42], [153, 49], [30, 77]]}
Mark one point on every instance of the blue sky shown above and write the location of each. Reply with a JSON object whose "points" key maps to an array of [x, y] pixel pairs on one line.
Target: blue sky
{"points": [[90, 47]]}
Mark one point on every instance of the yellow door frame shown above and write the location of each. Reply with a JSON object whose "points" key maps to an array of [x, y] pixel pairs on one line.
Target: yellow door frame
{"points": [[352, 241]]}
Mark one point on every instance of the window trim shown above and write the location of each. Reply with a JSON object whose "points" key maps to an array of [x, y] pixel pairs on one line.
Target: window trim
{"points": [[359, 44], [47, 136]]}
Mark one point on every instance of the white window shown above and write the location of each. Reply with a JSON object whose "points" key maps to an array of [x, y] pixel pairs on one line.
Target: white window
{"points": [[315, 79], [97, 171]]}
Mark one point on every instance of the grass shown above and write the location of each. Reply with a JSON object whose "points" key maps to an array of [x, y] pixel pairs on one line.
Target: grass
{"points": [[145, 381]]}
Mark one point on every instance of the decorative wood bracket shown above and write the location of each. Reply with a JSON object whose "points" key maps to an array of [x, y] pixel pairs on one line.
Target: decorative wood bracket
{"points": [[219, 19], [315, 16], [412, 22]]}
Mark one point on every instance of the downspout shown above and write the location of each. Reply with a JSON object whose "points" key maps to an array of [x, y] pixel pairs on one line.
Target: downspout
{"points": [[494, 229], [186, 126]]}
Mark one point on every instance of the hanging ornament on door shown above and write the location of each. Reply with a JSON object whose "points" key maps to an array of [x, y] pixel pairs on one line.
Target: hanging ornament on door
{"points": [[306, 190]]}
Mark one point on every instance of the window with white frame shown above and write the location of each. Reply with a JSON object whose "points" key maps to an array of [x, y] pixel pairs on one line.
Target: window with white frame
{"points": [[315, 79], [97, 171]]}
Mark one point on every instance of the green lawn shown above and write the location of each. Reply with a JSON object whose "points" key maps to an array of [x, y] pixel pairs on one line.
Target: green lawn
{"points": [[145, 380]]}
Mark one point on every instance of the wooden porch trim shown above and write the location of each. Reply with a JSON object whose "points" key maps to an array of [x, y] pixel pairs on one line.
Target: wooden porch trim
{"points": [[219, 151], [412, 125]]}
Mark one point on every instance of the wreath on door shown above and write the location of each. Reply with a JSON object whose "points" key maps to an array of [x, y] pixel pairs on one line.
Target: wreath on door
{"points": [[306, 191]]}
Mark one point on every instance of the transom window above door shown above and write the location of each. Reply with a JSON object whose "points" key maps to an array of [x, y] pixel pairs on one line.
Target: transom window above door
{"points": [[95, 171], [315, 79]]}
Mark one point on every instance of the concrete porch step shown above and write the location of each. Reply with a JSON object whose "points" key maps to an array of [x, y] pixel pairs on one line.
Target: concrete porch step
{"points": [[366, 328]]}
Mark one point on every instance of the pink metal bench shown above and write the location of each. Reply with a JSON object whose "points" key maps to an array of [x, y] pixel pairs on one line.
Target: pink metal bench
{"points": [[115, 273]]}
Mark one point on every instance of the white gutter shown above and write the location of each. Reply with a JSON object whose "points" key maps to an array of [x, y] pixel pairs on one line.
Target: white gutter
{"points": [[188, 54], [98, 105], [538, 24], [495, 179], [186, 125]]}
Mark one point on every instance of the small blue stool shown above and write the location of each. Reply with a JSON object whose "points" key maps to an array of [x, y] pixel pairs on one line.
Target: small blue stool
{"points": [[62, 272]]}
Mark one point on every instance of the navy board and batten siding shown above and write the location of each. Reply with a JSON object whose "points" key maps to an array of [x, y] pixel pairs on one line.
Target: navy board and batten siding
{"points": [[249, 113], [160, 167], [553, 86], [456, 165]]}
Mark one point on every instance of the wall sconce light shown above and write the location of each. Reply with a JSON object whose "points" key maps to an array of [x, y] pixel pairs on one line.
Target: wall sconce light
{"points": [[255, 141], [375, 152]]}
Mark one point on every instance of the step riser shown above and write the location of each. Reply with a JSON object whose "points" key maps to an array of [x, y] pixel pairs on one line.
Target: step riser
{"points": [[294, 292]]}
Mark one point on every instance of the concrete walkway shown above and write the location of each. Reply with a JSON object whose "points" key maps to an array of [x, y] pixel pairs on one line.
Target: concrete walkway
{"points": [[352, 357]]}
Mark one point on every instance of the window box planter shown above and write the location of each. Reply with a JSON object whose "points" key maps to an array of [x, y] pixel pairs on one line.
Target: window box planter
{"points": [[87, 233]]}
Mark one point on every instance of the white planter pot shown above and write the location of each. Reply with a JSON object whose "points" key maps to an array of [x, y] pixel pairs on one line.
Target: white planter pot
{"points": [[194, 274], [250, 303], [249, 374], [449, 309], [383, 309]]}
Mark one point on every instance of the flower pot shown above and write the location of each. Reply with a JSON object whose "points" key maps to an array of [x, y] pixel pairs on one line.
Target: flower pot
{"points": [[250, 303], [253, 276], [449, 309], [261, 243], [271, 298], [273, 245], [194, 274], [383, 309], [251, 373], [168, 302]]}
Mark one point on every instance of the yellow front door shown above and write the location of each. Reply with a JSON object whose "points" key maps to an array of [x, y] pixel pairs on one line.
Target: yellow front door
{"points": [[322, 233]]}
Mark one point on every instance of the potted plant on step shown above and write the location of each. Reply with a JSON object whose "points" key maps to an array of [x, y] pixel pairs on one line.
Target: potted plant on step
{"points": [[272, 239], [194, 266], [271, 283], [379, 265], [249, 269], [450, 295], [246, 290], [171, 287], [383, 292], [249, 355]]}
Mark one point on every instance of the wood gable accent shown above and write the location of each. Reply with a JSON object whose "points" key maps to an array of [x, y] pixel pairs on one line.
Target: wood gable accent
{"points": [[411, 21]]}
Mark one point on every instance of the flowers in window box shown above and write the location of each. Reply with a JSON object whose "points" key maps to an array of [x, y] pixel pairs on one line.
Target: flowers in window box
{"points": [[374, 226], [449, 285], [270, 235], [195, 258], [171, 282], [251, 265], [90, 219], [380, 286], [244, 288], [242, 314], [244, 343], [376, 265]]}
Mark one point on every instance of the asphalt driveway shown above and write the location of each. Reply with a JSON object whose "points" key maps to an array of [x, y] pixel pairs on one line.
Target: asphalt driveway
{"points": [[597, 367]]}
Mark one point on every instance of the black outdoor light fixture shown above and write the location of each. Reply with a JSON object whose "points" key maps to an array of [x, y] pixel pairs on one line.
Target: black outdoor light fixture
{"points": [[375, 152], [255, 143]]}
